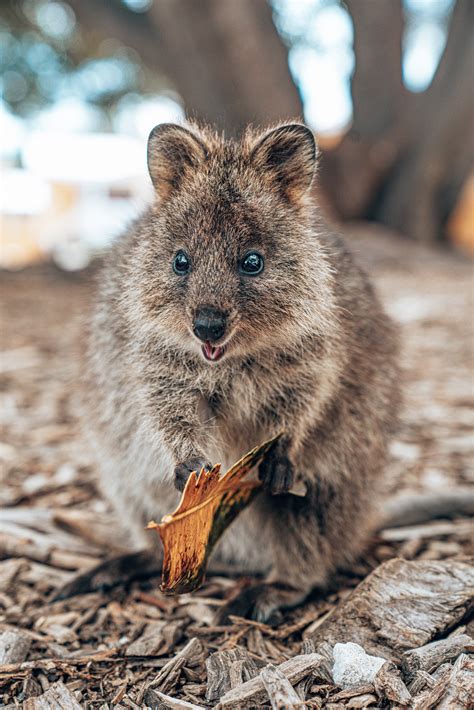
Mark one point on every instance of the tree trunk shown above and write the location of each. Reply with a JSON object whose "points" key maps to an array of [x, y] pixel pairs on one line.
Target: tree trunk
{"points": [[227, 61], [406, 157], [351, 174], [377, 87], [422, 192]]}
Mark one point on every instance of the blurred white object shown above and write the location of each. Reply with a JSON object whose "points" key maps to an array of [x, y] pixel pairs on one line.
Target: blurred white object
{"points": [[84, 157], [23, 193], [72, 254], [353, 666], [77, 193]]}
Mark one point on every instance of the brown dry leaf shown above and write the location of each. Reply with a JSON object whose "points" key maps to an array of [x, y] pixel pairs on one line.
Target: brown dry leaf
{"points": [[208, 505]]}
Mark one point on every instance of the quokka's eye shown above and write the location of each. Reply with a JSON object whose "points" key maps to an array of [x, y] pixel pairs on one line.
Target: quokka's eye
{"points": [[181, 263], [252, 264]]}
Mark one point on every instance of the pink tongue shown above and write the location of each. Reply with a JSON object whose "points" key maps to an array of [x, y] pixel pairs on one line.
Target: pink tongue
{"points": [[211, 352]]}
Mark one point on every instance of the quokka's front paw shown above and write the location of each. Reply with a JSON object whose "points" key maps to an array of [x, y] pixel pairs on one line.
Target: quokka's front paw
{"points": [[276, 471], [183, 470]]}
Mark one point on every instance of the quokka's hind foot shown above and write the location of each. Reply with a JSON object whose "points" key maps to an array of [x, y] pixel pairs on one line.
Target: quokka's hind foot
{"points": [[123, 569], [262, 602]]}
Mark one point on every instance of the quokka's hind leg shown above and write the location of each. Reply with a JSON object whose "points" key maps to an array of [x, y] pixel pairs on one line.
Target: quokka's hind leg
{"points": [[143, 564], [309, 543], [124, 569]]}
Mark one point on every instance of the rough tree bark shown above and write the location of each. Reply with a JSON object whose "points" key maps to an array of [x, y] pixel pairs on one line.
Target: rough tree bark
{"points": [[406, 156], [351, 173], [422, 190]]}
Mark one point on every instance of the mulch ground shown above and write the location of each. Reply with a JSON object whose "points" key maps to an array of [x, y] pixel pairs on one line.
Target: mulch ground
{"points": [[53, 523]]}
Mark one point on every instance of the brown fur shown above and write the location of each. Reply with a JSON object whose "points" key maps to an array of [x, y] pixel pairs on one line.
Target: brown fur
{"points": [[310, 352]]}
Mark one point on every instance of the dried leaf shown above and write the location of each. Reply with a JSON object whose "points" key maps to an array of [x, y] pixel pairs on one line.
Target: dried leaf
{"points": [[208, 505]]}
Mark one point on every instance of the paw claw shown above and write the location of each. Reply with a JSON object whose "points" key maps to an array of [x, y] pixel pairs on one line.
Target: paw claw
{"points": [[276, 472]]}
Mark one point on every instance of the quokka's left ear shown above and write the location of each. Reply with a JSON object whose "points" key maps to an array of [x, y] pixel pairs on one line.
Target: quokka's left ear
{"points": [[287, 157], [173, 151]]}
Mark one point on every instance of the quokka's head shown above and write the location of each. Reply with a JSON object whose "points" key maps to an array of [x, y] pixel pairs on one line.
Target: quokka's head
{"points": [[230, 264]]}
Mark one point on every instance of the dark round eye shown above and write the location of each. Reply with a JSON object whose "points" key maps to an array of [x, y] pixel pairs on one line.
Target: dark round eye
{"points": [[252, 264], [181, 263]]}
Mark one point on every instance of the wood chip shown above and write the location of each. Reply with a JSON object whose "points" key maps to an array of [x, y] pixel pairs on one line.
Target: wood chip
{"points": [[457, 528], [56, 697], [171, 671], [14, 647], [280, 691], [226, 669], [365, 689], [9, 570], [389, 685], [454, 689], [413, 508], [97, 530], [158, 639], [421, 680], [362, 701], [253, 691], [154, 697], [401, 605], [429, 657], [22, 669]]}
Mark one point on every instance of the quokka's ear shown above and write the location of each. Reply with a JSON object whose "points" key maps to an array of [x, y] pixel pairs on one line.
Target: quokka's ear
{"points": [[287, 158], [172, 150]]}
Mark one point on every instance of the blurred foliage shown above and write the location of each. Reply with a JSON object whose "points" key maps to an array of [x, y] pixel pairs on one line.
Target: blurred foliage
{"points": [[47, 56]]}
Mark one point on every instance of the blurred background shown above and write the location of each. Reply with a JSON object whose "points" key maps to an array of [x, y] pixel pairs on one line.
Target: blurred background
{"points": [[386, 85]]}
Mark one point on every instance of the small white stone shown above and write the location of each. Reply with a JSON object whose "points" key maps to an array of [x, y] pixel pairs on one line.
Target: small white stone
{"points": [[353, 666]]}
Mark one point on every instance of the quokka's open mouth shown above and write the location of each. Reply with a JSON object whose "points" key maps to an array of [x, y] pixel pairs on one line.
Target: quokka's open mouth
{"points": [[213, 353]]}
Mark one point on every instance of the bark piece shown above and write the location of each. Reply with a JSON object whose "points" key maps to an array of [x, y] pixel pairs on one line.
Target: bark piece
{"points": [[430, 657], [459, 528], [454, 690], [55, 664], [401, 605], [389, 684], [253, 691], [362, 701], [99, 530], [280, 691], [9, 570], [14, 647], [366, 689], [413, 508], [156, 700], [210, 502], [224, 668], [55, 698], [171, 671], [158, 639], [421, 681]]}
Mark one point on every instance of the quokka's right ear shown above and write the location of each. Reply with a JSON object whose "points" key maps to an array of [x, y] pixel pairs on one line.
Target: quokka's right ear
{"points": [[172, 150]]}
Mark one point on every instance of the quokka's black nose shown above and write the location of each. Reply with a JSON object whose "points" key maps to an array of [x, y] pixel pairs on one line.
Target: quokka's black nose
{"points": [[209, 324]]}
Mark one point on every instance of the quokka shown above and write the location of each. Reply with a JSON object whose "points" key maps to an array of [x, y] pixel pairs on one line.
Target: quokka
{"points": [[228, 312]]}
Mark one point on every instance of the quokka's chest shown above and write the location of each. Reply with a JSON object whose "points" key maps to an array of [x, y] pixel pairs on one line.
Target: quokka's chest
{"points": [[239, 418]]}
